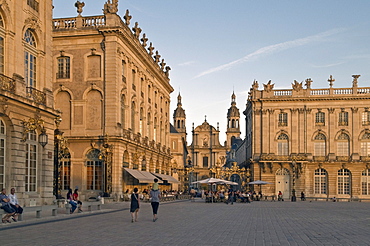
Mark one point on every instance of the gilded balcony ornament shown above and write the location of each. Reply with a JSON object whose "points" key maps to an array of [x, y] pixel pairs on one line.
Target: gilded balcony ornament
{"points": [[31, 125], [38, 97], [7, 84]]}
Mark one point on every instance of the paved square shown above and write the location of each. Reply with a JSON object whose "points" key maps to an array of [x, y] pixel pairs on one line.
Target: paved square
{"points": [[199, 223]]}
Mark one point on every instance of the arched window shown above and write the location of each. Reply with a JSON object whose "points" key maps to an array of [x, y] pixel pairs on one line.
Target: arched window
{"points": [[94, 166], [365, 144], [320, 145], [141, 120], [143, 165], [31, 162], [343, 145], [283, 144], [344, 181], [365, 182], [2, 153], [2, 48], [30, 64], [148, 126], [155, 129], [123, 111], [65, 164], [320, 181]]}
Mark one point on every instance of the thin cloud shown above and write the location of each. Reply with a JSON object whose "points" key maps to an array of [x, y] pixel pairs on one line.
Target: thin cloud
{"points": [[186, 63], [273, 49], [327, 65]]}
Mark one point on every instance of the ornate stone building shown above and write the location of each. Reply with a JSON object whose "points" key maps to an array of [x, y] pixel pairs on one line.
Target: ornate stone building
{"points": [[26, 101], [114, 94], [205, 157], [311, 140]]}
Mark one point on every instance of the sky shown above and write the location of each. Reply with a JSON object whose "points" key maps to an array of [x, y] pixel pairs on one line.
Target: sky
{"points": [[215, 48]]}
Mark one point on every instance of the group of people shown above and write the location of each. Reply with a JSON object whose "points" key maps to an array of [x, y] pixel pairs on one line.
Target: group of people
{"points": [[154, 197], [9, 203], [74, 201]]}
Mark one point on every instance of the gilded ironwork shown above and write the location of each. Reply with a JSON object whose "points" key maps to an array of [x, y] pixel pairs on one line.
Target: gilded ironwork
{"points": [[31, 125], [38, 97], [7, 84]]}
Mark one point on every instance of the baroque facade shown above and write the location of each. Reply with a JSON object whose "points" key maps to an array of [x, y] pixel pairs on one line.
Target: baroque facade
{"points": [[113, 92], [205, 157], [311, 140], [26, 101]]}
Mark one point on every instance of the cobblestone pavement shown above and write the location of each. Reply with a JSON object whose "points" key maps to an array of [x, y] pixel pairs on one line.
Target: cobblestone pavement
{"points": [[199, 223]]}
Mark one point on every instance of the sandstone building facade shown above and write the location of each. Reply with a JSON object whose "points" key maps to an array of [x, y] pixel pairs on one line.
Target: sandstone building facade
{"points": [[26, 101], [311, 140], [113, 91]]}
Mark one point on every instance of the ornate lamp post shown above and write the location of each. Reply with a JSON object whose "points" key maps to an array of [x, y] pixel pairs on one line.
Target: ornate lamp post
{"points": [[294, 168], [33, 124], [189, 169]]}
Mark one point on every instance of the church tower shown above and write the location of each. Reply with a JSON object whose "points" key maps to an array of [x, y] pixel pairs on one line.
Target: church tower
{"points": [[179, 117], [233, 120]]}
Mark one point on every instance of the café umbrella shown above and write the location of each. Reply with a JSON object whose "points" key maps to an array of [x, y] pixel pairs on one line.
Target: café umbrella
{"points": [[258, 182], [212, 181]]}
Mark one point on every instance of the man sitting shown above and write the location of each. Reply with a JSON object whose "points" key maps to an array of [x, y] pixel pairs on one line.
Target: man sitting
{"points": [[4, 200]]}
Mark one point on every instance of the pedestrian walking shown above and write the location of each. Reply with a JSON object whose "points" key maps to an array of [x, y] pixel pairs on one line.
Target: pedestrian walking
{"points": [[155, 196], [135, 205]]}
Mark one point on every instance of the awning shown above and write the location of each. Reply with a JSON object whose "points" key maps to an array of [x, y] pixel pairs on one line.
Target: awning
{"points": [[142, 176], [168, 178]]}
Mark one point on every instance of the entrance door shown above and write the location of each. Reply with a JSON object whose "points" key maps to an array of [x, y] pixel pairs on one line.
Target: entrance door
{"points": [[283, 182]]}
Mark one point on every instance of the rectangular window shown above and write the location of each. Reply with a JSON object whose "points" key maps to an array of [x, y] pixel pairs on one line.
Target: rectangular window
{"points": [[133, 80], [123, 71], [365, 148], [342, 148], [320, 185], [33, 4], [2, 162], [319, 149], [320, 119], [31, 153], [205, 161], [66, 174], [365, 185], [343, 185], [283, 119], [366, 118], [63, 68], [343, 119], [1, 55], [30, 69], [94, 175], [283, 148]]}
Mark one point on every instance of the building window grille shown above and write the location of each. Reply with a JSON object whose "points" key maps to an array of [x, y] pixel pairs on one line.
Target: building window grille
{"points": [[320, 145], [283, 119], [65, 164], [31, 162], [366, 118], [320, 181], [365, 182], [320, 119], [343, 119], [365, 144], [343, 145], [344, 178], [94, 170], [63, 68], [283, 146], [30, 59]]}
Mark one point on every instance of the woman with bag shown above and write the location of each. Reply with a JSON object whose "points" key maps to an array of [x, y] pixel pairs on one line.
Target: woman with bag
{"points": [[135, 205]]}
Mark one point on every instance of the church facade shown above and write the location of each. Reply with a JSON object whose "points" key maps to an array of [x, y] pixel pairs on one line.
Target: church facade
{"points": [[308, 140]]}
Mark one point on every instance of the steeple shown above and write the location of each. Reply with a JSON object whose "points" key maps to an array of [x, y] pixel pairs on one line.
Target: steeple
{"points": [[179, 116], [233, 120]]}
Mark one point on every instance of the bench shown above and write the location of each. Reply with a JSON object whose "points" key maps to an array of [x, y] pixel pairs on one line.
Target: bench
{"points": [[88, 204], [37, 209]]}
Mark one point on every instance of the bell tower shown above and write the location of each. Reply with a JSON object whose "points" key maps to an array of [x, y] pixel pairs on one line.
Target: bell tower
{"points": [[233, 122], [179, 117]]}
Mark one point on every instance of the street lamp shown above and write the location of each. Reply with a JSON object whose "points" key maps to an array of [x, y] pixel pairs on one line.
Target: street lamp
{"points": [[294, 168], [31, 125]]}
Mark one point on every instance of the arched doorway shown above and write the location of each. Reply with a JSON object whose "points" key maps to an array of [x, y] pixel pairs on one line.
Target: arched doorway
{"points": [[283, 182]]}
